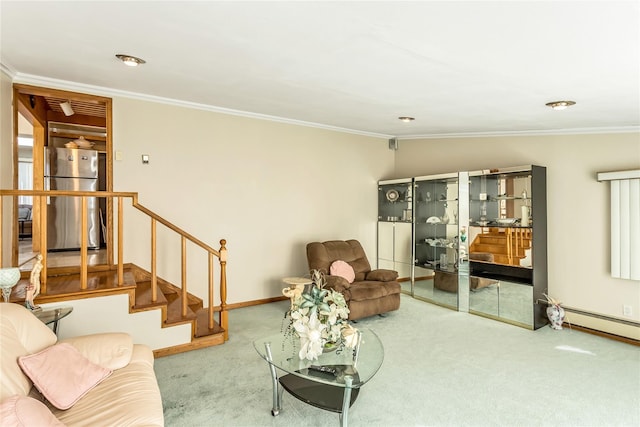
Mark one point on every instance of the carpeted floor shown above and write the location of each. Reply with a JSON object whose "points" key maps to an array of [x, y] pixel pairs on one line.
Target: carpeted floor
{"points": [[441, 368]]}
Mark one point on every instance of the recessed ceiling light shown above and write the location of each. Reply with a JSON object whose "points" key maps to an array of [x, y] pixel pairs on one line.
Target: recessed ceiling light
{"points": [[406, 119], [560, 105], [129, 60]]}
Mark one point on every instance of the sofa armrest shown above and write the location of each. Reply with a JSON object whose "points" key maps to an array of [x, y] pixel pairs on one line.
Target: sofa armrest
{"points": [[110, 350], [337, 283], [382, 275]]}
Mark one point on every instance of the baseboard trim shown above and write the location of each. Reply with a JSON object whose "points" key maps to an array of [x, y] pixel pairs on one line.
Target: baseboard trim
{"points": [[255, 302], [615, 337], [603, 325]]}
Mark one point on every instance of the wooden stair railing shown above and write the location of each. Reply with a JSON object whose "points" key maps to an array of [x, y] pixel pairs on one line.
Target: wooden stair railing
{"points": [[40, 197]]}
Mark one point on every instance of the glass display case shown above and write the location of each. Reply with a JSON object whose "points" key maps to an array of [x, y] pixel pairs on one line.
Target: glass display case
{"points": [[436, 230], [470, 241], [395, 228], [507, 244]]}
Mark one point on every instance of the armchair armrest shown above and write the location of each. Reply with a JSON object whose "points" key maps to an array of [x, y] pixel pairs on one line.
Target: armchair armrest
{"points": [[337, 283], [110, 350], [382, 275]]}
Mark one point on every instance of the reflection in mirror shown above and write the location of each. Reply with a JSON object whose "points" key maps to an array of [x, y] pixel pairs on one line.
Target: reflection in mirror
{"points": [[505, 300], [441, 288], [501, 245], [484, 296]]}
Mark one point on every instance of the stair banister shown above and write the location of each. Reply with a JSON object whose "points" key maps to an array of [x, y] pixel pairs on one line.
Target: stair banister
{"points": [[40, 198]]}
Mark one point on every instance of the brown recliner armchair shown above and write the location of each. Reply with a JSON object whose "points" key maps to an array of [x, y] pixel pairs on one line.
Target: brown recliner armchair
{"points": [[372, 292]]}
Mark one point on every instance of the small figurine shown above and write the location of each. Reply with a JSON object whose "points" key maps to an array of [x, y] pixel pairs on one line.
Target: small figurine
{"points": [[33, 289]]}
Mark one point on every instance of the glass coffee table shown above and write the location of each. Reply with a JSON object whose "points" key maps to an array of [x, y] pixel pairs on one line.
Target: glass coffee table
{"points": [[53, 315], [332, 382]]}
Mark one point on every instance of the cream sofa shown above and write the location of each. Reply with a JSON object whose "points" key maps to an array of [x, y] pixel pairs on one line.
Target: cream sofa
{"points": [[129, 396]]}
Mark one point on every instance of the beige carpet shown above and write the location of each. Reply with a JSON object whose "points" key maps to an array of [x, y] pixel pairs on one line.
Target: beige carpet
{"points": [[441, 368]]}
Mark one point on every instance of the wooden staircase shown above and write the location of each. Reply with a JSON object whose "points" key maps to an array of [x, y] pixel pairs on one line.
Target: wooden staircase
{"points": [[64, 284], [508, 245], [146, 290]]}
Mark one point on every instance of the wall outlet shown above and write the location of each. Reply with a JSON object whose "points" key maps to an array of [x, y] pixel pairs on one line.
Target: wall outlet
{"points": [[627, 310]]}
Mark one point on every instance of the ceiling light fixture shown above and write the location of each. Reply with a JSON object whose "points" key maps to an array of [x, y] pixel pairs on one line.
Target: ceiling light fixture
{"points": [[66, 108], [406, 119], [129, 60], [560, 105]]}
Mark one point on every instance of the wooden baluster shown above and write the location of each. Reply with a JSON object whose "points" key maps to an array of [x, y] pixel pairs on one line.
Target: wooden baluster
{"points": [[154, 277], [184, 276], [83, 246], [211, 290], [44, 229], [120, 243], [224, 319]]}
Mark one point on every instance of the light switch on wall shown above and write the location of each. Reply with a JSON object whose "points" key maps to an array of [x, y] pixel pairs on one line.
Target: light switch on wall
{"points": [[119, 155], [145, 159]]}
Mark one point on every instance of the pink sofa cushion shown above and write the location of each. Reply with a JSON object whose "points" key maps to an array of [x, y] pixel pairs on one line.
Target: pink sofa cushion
{"points": [[62, 374], [342, 269], [24, 411]]}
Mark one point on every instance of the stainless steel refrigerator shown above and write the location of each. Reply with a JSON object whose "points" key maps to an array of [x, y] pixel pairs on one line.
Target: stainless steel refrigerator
{"points": [[69, 169]]}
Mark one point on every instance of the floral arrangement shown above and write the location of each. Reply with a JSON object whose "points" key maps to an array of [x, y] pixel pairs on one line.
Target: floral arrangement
{"points": [[319, 318]]}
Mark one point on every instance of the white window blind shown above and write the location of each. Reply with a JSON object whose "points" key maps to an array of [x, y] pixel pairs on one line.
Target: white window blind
{"points": [[625, 223]]}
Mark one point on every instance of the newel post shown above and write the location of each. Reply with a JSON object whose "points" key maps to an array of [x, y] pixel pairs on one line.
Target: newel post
{"points": [[224, 320]]}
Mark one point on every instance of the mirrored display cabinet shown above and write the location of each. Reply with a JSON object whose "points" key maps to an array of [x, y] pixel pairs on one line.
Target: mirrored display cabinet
{"points": [[470, 241], [436, 239], [508, 245], [395, 228]]}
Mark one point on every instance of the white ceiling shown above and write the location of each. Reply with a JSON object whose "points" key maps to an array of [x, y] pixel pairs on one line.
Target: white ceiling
{"points": [[476, 67]]}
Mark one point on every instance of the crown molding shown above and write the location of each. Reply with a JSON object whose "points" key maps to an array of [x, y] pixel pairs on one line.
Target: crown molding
{"points": [[8, 70], [110, 92], [34, 80], [541, 132]]}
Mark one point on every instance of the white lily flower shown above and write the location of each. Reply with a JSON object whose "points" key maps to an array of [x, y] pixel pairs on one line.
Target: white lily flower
{"points": [[310, 334]]}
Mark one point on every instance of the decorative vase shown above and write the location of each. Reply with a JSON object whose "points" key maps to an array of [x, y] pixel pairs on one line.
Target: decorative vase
{"points": [[8, 279], [445, 218], [555, 313]]}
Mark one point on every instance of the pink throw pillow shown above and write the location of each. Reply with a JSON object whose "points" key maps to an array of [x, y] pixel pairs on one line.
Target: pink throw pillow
{"points": [[24, 411], [342, 269], [62, 374]]}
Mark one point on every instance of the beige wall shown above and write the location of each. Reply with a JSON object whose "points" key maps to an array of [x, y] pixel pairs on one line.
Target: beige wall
{"points": [[6, 163], [266, 187], [269, 188], [578, 205]]}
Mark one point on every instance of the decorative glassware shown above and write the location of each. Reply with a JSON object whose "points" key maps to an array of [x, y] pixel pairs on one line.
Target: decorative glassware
{"points": [[8, 279]]}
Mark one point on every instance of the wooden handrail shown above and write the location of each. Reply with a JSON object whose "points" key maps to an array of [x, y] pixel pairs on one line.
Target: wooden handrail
{"points": [[40, 197]]}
